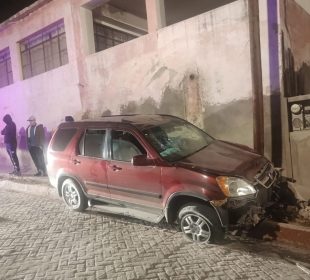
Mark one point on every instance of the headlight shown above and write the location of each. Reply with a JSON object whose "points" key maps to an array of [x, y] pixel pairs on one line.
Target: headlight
{"points": [[233, 187]]}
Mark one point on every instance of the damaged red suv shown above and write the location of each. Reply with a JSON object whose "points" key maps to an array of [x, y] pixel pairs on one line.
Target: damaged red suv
{"points": [[156, 167]]}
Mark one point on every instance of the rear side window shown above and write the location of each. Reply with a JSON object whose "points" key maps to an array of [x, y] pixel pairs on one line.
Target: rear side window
{"points": [[94, 142], [62, 138]]}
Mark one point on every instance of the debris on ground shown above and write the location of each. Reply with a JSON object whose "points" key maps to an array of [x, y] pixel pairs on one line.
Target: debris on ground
{"points": [[303, 216]]}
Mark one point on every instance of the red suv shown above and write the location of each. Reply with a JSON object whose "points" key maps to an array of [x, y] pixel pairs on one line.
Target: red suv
{"points": [[159, 166]]}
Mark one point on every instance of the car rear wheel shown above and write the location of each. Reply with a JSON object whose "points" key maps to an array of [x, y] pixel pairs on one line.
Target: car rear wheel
{"points": [[200, 223], [73, 195]]}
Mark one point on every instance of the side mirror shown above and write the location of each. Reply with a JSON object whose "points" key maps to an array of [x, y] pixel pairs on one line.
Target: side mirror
{"points": [[141, 160]]}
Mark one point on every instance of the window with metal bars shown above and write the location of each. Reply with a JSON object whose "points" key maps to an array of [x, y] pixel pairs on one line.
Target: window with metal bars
{"points": [[6, 74], [107, 37], [44, 50]]}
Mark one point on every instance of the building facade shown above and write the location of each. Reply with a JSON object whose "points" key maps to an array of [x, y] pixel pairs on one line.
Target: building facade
{"points": [[220, 64]]}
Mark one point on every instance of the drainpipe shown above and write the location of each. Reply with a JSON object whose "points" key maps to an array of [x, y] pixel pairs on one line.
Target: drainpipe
{"points": [[256, 70]]}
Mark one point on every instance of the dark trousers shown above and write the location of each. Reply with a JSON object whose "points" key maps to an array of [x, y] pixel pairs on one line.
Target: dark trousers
{"points": [[11, 149], [38, 158]]}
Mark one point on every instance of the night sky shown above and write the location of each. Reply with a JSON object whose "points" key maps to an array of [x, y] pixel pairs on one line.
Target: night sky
{"points": [[9, 8]]}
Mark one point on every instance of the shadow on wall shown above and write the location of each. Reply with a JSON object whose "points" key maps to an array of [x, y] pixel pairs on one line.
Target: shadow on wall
{"points": [[22, 142], [296, 82], [172, 103], [231, 122], [106, 113], [26, 163], [303, 79]]}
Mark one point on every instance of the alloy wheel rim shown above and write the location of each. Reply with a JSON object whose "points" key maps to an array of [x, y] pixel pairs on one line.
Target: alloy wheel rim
{"points": [[196, 228], [71, 196]]}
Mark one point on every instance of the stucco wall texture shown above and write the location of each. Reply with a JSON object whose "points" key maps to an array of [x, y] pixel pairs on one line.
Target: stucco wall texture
{"points": [[198, 69]]}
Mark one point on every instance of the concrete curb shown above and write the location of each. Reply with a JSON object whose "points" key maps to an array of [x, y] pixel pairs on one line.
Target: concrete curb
{"points": [[29, 185], [291, 234]]}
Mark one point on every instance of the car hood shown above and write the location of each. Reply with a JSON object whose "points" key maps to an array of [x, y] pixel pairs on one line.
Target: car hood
{"points": [[223, 158]]}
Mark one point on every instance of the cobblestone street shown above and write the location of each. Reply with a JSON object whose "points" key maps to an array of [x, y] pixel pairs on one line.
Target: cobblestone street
{"points": [[41, 239]]}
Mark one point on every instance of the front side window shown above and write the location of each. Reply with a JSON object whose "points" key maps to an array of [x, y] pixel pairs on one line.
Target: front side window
{"points": [[176, 139], [125, 146], [44, 50], [6, 75], [94, 143]]}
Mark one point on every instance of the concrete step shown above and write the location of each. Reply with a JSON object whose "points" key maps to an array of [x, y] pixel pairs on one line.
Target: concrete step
{"points": [[289, 233]]}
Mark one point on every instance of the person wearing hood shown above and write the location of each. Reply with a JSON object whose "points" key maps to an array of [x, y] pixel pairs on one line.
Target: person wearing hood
{"points": [[10, 142], [36, 141]]}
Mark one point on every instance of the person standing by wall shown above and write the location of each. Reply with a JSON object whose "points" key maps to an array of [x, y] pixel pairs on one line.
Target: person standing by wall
{"points": [[36, 140], [10, 142]]}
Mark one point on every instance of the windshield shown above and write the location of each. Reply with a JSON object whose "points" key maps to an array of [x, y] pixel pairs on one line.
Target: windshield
{"points": [[176, 139]]}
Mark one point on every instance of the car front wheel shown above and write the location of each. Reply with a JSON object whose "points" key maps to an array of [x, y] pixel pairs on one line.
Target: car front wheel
{"points": [[73, 195], [200, 223]]}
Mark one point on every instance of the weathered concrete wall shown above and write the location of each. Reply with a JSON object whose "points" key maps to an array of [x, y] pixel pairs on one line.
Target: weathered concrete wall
{"points": [[198, 69]]}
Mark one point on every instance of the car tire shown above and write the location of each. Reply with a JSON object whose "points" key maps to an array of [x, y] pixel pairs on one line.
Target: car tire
{"points": [[200, 223], [73, 195]]}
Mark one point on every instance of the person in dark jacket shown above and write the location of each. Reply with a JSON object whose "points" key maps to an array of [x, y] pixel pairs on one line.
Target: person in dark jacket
{"points": [[10, 142], [36, 141]]}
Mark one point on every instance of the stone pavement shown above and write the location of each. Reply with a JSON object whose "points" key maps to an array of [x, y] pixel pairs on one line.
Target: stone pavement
{"points": [[41, 239], [290, 233]]}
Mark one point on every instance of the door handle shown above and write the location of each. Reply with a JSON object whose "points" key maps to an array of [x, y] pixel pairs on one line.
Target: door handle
{"points": [[75, 161], [116, 168]]}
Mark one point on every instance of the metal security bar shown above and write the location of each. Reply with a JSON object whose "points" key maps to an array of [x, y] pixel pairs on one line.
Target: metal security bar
{"points": [[6, 75], [44, 50]]}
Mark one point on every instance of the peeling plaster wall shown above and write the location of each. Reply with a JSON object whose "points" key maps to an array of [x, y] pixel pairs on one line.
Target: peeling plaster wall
{"points": [[198, 69]]}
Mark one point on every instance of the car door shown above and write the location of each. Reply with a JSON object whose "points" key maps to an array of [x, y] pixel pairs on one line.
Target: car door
{"points": [[91, 164], [134, 184]]}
